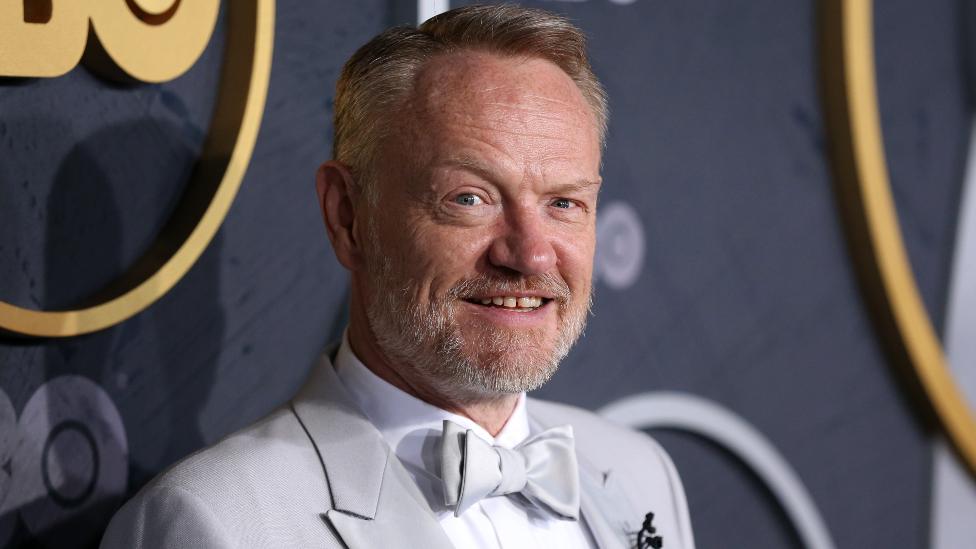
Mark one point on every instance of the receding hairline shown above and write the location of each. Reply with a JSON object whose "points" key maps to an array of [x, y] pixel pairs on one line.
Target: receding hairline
{"points": [[382, 75]]}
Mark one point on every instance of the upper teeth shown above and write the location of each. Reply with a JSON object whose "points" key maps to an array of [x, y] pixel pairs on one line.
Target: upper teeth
{"points": [[513, 302]]}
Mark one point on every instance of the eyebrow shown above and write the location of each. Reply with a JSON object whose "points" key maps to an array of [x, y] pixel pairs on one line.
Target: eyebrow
{"points": [[482, 170], [580, 185]]}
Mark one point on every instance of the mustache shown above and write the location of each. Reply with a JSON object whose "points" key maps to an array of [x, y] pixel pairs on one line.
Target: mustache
{"points": [[548, 284]]}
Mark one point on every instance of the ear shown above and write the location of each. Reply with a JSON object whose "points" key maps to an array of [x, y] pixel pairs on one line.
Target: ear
{"points": [[336, 191]]}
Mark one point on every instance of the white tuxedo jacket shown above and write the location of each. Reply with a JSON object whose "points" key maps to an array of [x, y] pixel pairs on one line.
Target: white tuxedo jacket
{"points": [[316, 473]]}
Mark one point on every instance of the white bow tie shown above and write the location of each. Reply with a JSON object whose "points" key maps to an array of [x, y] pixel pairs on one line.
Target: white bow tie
{"points": [[543, 469]]}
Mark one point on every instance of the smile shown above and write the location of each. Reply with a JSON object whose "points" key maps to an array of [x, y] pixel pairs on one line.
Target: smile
{"points": [[522, 303]]}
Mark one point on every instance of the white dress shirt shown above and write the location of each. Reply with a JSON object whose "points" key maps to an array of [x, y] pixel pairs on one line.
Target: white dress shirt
{"points": [[412, 428]]}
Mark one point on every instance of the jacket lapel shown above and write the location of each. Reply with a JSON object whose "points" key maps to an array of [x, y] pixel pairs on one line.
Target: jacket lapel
{"points": [[375, 503], [402, 520], [600, 504]]}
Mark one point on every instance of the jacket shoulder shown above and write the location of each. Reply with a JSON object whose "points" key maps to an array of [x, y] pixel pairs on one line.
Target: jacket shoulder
{"points": [[262, 486], [258, 457]]}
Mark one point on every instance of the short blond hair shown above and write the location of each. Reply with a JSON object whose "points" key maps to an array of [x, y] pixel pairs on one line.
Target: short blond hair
{"points": [[381, 75]]}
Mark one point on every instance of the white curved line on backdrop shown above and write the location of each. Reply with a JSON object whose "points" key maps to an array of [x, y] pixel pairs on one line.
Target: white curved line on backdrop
{"points": [[709, 420]]}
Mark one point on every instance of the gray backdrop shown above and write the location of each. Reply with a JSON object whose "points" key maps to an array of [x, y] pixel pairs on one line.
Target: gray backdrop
{"points": [[724, 273]]}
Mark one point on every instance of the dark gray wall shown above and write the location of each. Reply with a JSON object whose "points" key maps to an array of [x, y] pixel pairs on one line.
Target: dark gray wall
{"points": [[745, 293]]}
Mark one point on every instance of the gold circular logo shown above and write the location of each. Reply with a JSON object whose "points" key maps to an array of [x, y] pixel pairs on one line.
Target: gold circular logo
{"points": [[217, 177], [869, 213]]}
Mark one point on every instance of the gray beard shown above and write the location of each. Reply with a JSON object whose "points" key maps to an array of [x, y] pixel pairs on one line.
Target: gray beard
{"points": [[429, 342]]}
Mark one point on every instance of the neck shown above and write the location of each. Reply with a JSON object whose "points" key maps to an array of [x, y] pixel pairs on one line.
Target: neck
{"points": [[491, 412]]}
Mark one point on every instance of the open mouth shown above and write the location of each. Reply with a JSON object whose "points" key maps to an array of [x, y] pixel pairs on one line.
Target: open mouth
{"points": [[512, 303]]}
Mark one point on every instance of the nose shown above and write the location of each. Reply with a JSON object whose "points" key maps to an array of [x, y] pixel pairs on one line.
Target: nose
{"points": [[524, 244]]}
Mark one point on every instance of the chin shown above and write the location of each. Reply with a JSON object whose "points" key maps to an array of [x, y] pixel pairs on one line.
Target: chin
{"points": [[509, 368]]}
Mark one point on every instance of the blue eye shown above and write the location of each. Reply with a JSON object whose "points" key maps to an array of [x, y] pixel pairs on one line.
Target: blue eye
{"points": [[563, 203], [468, 199]]}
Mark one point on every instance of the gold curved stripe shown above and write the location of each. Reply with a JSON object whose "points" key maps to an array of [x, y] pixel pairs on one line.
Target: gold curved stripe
{"points": [[211, 190], [871, 218]]}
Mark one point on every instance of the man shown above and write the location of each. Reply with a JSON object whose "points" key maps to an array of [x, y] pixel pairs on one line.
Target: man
{"points": [[462, 199]]}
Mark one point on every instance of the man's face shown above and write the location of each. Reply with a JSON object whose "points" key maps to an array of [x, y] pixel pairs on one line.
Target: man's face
{"points": [[480, 245]]}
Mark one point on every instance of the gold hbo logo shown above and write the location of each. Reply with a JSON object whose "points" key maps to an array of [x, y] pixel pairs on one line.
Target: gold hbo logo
{"points": [[148, 41]]}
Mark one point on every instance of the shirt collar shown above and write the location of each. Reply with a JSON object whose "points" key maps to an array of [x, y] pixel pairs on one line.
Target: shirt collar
{"points": [[409, 425]]}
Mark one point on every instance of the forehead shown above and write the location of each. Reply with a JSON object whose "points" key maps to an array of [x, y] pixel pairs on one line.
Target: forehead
{"points": [[502, 99], [472, 78]]}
